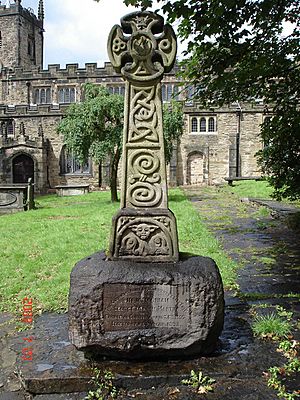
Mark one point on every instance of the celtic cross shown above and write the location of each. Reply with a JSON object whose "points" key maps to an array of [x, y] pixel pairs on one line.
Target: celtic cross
{"points": [[144, 229]]}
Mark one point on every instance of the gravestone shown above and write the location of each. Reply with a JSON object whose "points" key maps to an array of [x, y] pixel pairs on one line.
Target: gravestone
{"points": [[143, 300]]}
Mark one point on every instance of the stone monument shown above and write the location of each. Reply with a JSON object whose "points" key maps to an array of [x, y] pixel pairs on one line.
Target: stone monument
{"points": [[143, 299], [144, 229]]}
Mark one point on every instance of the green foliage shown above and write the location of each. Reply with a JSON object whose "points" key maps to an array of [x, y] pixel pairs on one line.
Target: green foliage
{"points": [[277, 375], [279, 158], [40, 247], [271, 325], [104, 383], [200, 382], [173, 126], [238, 50], [94, 128], [255, 189], [278, 327]]}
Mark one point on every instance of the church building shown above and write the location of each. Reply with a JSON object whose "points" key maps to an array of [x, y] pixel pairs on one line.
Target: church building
{"points": [[217, 142]]}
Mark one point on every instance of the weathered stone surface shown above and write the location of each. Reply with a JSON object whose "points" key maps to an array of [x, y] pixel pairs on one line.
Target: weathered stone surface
{"points": [[72, 190], [145, 235], [142, 56], [137, 310]]}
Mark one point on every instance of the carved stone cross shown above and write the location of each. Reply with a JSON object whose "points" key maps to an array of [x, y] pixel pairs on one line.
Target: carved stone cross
{"points": [[144, 229]]}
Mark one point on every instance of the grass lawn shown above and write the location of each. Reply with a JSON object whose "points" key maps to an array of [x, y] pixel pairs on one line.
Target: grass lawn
{"points": [[252, 189], [38, 248]]}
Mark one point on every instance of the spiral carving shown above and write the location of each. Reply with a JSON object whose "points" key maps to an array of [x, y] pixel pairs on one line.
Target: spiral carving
{"points": [[146, 163], [144, 194]]}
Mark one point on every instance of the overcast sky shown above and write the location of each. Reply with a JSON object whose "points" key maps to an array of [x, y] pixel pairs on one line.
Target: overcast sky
{"points": [[77, 30]]}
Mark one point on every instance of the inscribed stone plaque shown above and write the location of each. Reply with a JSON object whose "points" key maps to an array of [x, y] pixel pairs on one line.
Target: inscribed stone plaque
{"points": [[131, 306], [7, 199]]}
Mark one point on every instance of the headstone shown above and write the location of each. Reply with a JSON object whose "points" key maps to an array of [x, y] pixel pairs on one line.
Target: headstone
{"points": [[143, 300]]}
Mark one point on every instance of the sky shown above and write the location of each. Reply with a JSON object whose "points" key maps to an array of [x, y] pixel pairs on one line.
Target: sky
{"points": [[76, 31]]}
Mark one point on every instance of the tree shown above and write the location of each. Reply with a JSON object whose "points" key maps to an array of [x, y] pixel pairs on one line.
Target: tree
{"points": [[94, 128], [239, 50], [173, 126]]}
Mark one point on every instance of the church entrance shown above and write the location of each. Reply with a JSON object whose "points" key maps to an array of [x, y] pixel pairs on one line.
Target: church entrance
{"points": [[23, 168]]}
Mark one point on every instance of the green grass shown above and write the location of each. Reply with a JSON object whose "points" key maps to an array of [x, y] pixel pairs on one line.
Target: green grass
{"points": [[271, 325], [255, 189], [39, 248]]}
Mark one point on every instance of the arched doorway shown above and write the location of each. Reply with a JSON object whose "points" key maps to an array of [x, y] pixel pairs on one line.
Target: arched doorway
{"points": [[195, 166], [23, 168]]}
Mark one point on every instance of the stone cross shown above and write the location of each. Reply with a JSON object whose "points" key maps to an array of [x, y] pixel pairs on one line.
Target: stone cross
{"points": [[144, 229]]}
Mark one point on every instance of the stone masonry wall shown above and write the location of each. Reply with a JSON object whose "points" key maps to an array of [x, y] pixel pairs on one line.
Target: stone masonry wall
{"points": [[250, 142], [9, 36]]}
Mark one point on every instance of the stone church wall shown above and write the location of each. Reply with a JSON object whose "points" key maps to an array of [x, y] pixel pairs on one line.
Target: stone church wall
{"points": [[217, 142]]}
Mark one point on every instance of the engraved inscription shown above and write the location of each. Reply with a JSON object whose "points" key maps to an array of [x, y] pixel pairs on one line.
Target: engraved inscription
{"points": [[130, 306]]}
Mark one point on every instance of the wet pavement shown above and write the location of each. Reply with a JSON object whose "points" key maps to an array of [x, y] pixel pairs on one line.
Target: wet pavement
{"points": [[269, 253]]}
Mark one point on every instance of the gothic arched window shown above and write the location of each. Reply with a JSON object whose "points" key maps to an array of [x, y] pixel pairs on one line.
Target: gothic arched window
{"points": [[69, 163]]}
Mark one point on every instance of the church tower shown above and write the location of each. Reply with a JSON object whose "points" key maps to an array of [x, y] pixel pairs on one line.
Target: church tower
{"points": [[21, 35]]}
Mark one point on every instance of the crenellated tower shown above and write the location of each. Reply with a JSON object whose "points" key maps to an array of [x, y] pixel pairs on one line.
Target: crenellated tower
{"points": [[21, 36]]}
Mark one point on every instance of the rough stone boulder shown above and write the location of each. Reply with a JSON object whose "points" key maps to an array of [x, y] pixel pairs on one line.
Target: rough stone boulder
{"points": [[122, 309]]}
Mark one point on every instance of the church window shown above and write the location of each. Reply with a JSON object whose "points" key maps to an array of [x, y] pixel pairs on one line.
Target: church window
{"points": [[163, 92], [211, 124], [175, 93], [120, 90], [69, 163], [194, 124], [190, 91], [7, 128], [66, 95], [10, 128], [169, 92], [202, 124], [42, 96], [31, 47]]}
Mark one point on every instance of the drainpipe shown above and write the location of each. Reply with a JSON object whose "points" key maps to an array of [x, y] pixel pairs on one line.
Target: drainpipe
{"points": [[238, 137]]}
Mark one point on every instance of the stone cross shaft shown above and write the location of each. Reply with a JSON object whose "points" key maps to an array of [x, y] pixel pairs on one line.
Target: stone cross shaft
{"points": [[144, 229]]}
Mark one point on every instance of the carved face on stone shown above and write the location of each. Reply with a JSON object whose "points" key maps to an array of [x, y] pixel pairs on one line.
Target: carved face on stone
{"points": [[143, 231]]}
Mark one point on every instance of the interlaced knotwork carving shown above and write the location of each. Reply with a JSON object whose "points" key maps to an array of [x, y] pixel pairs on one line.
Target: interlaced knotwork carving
{"points": [[142, 49], [143, 115]]}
